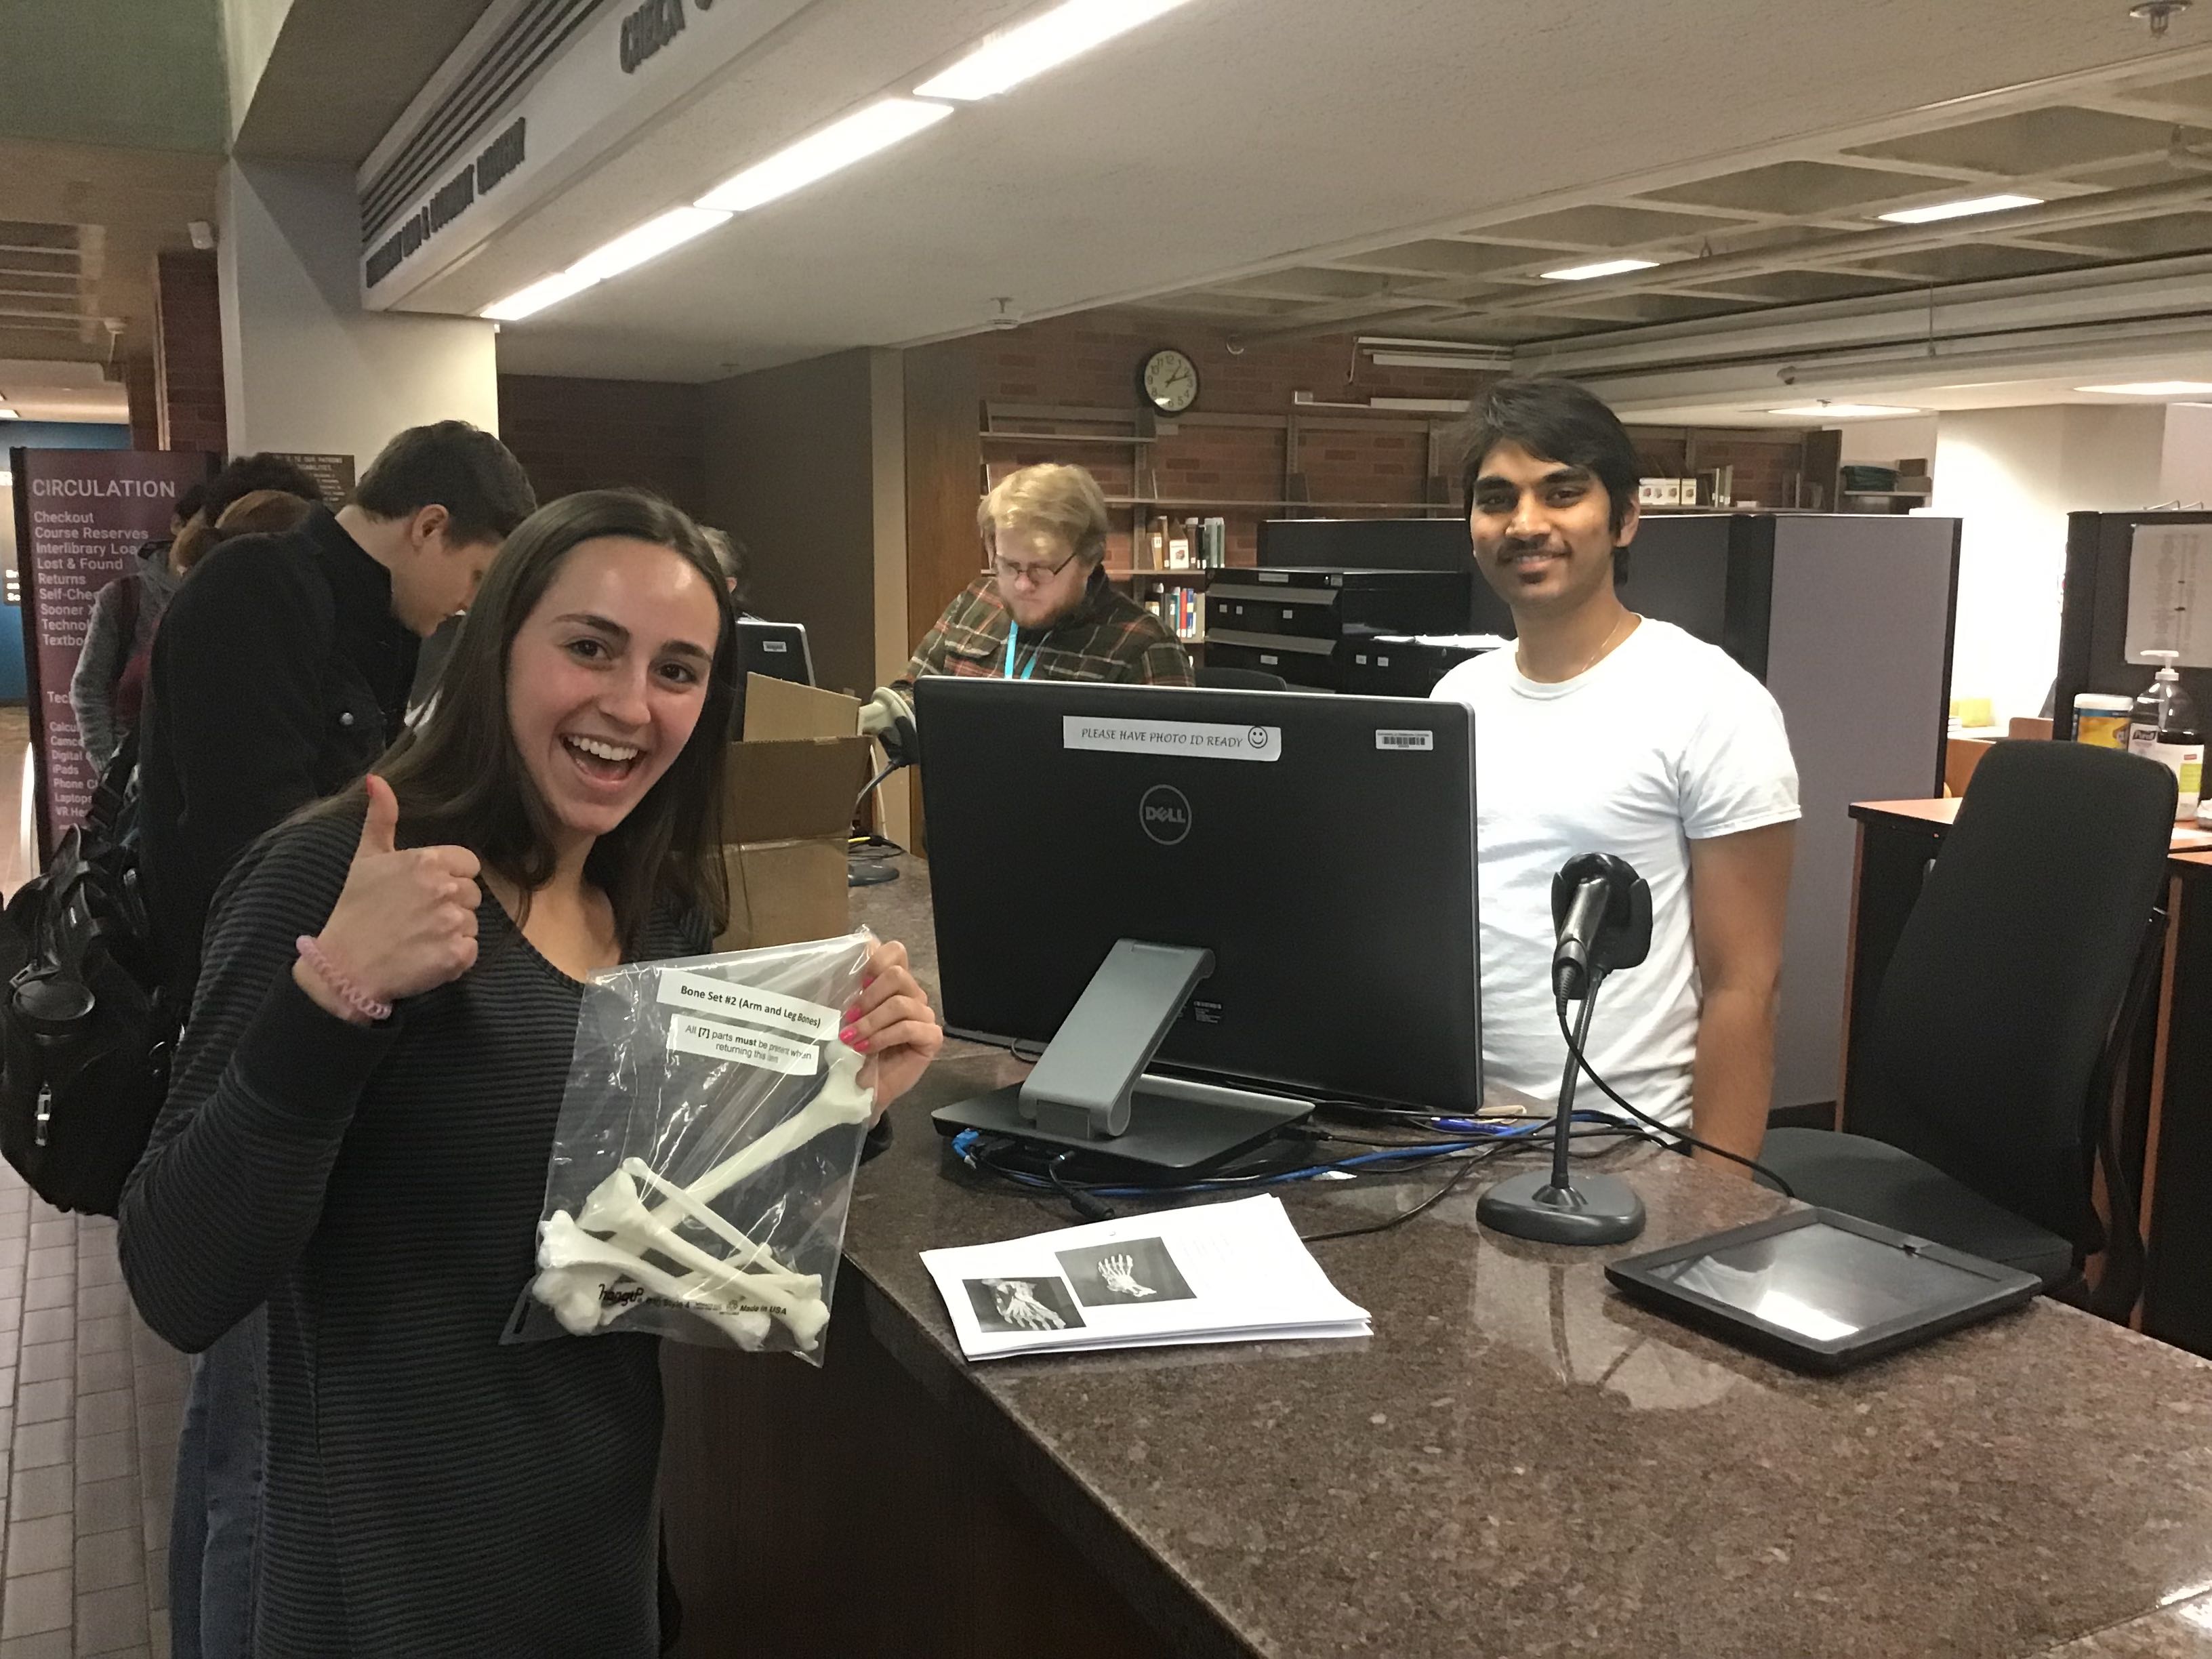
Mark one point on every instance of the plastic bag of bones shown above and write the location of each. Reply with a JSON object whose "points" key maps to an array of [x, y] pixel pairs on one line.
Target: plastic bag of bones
{"points": [[704, 1160]]}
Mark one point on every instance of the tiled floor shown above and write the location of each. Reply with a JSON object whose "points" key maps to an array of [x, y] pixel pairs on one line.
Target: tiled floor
{"points": [[89, 1400], [92, 1400]]}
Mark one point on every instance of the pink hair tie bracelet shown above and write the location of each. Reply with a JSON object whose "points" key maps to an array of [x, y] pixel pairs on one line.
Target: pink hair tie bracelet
{"points": [[345, 989]]}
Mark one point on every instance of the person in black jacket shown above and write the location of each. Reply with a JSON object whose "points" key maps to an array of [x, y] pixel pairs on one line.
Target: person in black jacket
{"points": [[282, 668], [280, 671]]}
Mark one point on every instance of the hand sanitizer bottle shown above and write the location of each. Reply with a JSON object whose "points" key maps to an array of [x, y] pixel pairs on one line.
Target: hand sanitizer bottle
{"points": [[2164, 728]]}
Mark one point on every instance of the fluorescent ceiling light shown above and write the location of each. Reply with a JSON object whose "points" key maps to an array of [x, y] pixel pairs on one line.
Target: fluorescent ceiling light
{"points": [[1043, 43], [649, 240], [10, 414], [535, 298], [1602, 268], [627, 252], [2153, 389], [1470, 361], [819, 154], [6, 479], [1843, 411], [1964, 209]]}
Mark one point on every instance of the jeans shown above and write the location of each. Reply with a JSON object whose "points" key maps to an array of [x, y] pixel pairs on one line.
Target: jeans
{"points": [[217, 1518]]}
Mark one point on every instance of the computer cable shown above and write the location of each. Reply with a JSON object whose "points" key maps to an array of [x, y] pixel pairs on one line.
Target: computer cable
{"points": [[1081, 1203], [1666, 1129], [1427, 1204], [980, 1152]]}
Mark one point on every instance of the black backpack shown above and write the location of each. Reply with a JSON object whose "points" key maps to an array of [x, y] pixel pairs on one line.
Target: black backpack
{"points": [[86, 1030]]}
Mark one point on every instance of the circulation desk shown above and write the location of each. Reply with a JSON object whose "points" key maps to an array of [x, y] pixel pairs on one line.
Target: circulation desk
{"points": [[1515, 1462]]}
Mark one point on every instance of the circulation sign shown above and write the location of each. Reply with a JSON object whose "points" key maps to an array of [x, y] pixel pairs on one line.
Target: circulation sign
{"points": [[81, 517]]}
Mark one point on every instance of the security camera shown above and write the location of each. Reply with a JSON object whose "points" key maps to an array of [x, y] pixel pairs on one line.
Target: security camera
{"points": [[1005, 317], [1787, 376]]}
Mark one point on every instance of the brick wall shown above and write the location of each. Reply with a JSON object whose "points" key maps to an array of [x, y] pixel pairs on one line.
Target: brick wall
{"points": [[572, 435], [1233, 445], [188, 353], [142, 398]]}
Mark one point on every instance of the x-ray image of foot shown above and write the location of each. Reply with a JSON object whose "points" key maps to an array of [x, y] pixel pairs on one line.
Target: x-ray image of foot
{"points": [[1018, 1305], [1114, 1272], [1023, 1304], [1125, 1272]]}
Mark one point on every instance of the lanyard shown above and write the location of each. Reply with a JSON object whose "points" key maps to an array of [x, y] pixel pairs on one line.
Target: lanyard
{"points": [[1014, 633]]}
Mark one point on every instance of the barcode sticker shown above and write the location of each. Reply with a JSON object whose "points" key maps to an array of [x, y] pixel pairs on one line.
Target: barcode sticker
{"points": [[774, 645], [1405, 739]]}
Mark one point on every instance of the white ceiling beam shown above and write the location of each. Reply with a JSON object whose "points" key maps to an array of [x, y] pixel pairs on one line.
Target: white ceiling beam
{"points": [[2175, 292]]}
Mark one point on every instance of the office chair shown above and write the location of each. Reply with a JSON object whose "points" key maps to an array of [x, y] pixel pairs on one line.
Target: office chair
{"points": [[1981, 1094], [1240, 679]]}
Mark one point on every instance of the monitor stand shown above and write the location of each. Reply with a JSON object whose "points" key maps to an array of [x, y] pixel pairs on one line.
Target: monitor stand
{"points": [[1090, 1091]]}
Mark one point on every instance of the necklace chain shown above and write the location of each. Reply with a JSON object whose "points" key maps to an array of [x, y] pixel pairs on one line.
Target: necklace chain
{"points": [[1627, 620]]}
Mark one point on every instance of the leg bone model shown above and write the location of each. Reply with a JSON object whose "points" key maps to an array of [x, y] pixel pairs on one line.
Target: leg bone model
{"points": [[584, 1258]]}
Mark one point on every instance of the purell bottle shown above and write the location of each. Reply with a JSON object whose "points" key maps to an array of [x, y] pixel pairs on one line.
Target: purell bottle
{"points": [[2164, 728]]}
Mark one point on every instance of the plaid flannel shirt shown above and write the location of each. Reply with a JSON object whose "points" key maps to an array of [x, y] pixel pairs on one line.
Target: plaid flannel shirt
{"points": [[1108, 636]]}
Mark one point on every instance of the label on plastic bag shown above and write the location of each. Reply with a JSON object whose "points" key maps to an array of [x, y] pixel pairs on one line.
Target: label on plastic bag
{"points": [[741, 1047], [718, 997]]}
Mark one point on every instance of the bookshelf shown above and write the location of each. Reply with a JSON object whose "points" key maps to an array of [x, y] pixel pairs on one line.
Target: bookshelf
{"points": [[1131, 447]]}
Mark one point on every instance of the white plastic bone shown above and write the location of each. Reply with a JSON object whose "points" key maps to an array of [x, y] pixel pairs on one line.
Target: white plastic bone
{"points": [[575, 1276], [583, 1269], [840, 1101], [614, 1210], [563, 1246]]}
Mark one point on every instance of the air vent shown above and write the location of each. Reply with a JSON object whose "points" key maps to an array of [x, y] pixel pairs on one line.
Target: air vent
{"points": [[41, 276], [505, 64]]}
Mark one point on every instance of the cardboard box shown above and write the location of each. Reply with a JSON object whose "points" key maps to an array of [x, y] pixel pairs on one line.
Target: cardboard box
{"points": [[792, 786]]}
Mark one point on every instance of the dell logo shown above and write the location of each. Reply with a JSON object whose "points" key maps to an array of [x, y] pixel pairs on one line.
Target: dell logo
{"points": [[1165, 813]]}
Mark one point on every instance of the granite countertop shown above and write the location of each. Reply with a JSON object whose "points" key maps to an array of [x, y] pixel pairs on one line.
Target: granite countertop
{"points": [[1518, 1461]]}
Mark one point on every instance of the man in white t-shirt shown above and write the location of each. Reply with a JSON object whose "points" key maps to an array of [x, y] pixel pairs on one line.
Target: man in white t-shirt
{"points": [[1603, 731]]}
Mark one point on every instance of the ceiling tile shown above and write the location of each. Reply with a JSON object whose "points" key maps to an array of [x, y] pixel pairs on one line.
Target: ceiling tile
{"points": [[1969, 262], [1797, 187], [1799, 286], [2192, 92], [2142, 238], [2032, 141], [1599, 226], [1310, 282], [1444, 258]]}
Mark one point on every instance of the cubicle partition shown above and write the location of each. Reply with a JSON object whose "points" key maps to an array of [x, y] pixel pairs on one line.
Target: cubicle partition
{"points": [[2130, 579], [1847, 618]]}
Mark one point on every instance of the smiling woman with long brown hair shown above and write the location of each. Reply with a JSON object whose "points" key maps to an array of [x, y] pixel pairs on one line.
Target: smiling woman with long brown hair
{"points": [[365, 1098]]}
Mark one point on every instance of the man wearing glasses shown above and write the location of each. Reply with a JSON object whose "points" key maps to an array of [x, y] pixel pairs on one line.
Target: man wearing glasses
{"points": [[1043, 608]]}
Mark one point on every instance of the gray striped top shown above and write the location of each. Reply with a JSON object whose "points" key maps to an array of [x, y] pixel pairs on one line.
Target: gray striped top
{"points": [[428, 1491]]}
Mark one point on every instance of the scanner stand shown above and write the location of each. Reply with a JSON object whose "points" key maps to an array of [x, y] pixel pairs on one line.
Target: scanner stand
{"points": [[1091, 1092]]}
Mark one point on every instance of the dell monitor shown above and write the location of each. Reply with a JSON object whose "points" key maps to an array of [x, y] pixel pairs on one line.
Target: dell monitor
{"points": [[1210, 905], [776, 650]]}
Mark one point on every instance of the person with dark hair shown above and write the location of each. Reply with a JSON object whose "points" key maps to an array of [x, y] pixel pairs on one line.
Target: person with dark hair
{"points": [[249, 721], [109, 686], [249, 474], [279, 672], [366, 1102], [1601, 731]]}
